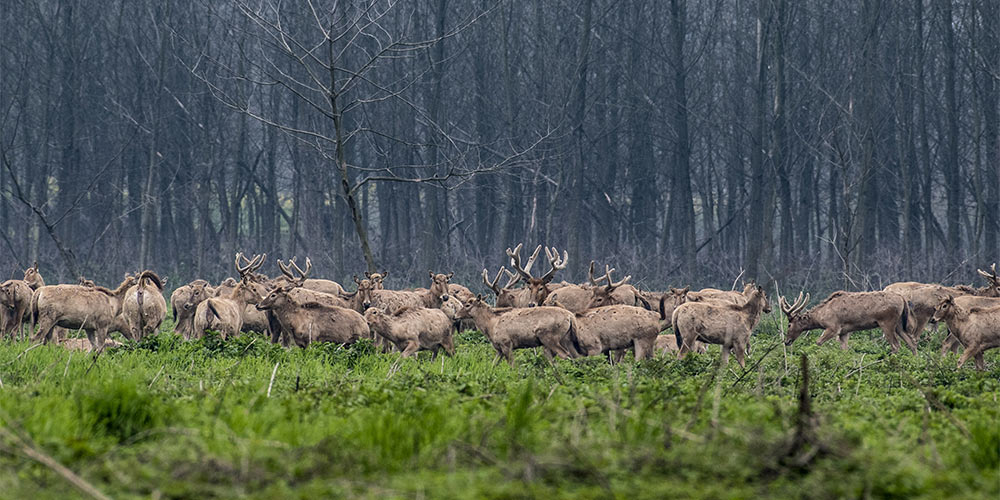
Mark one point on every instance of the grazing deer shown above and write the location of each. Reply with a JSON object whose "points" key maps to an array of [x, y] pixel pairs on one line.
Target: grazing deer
{"points": [[521, 328], [77, 307], [307, 322], [843, 313], [617, 327], [925, 297], [538, 287], [577, 298], [977, 328], [15, 300], [720, 322], [413, 330], [225, 314], [144, 308]]}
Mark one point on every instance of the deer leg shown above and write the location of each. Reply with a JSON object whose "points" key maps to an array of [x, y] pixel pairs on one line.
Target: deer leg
{"points": [[741, 351], [449, 345], [725, 355], [411, 347], [980, 362], [920, 322], [828, 334], [889, 332], [45, 327], [948, 344], [970, 351]]}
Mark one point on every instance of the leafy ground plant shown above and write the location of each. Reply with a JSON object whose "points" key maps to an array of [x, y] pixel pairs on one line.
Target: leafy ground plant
{"points": [[245, 418]]}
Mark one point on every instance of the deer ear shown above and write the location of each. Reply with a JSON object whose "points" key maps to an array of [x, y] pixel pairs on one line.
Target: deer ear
{"points": [[431, 273], [450, 275]]}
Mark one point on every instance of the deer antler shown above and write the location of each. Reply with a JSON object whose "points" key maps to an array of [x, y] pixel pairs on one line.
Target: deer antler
{"points": [[515, 260], [607, 274], [493, 284], [556, 262], [992, 275], [286, 270], [791, 310], [303, 274], [597, 281]]}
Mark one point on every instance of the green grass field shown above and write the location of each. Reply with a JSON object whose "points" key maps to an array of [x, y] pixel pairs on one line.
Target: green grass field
{"points": [[169, 419]]}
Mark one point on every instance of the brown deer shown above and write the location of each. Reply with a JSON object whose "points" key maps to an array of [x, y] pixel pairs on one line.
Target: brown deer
{"points": [[391, 301], [521, 328], [293, 286], [617, 327], [614, 292], [33, 278], [977, 328], [76, 307], [376, 279], [925, 297], [15, 300], [508, 296], [577, 298], [144, 308], [225, 314], [538, 287], [193, 293], [317, 285], [720, 322], [413, 330], [951, 341], [307, 322], [843, 313]]}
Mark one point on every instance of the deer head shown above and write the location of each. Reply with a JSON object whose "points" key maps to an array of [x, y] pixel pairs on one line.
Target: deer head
{"points": [[993, 289], [602, 293], [797, 322], [376, 279], [32, 278], [247, 289], [945, 310], [470, 306], [364, 291], [538, 287], [506, 296], [439, 285]]}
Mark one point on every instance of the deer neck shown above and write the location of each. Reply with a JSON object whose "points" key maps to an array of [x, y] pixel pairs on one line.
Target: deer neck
{"points": [[485, 319]]}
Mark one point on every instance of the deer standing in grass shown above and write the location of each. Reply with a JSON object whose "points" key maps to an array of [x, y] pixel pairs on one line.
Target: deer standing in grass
{"points": [[15, 300], [521, 328], [225, 314], [925, 297], [304, 321], [976, 327], [144, 309], [843, 313], [92, 309], [413, 330], [720, 322]]}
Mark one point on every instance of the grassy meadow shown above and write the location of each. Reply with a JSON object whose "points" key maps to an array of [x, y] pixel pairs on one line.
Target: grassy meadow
{"points": [[172, 419]]}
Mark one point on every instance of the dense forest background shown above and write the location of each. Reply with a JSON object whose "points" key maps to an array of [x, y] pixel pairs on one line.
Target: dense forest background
{"points": [[848, 143]]}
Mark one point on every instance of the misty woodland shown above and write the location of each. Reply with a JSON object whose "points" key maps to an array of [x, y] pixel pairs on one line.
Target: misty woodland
{"points": [[844, 143]]}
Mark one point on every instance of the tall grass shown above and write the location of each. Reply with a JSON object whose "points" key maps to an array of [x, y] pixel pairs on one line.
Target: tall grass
{"points": [[180, 419]]}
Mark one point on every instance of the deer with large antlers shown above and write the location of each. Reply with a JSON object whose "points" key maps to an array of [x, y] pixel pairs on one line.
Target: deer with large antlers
{"points": [[599, 291], [925, 297], [77, 307], [718, 322], [293, 286], [226, 314], [319, 285], [977, 328], [538, 287], [843, 313]]}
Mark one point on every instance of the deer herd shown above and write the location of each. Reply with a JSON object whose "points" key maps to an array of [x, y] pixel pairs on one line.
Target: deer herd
{"points": [[567, 320]]}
